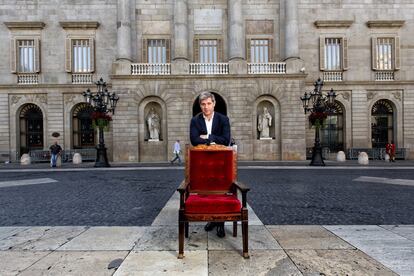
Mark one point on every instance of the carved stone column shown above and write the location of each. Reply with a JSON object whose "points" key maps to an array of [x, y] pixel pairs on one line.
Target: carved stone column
{"points": [[294, 64], [237, 61], [123, 55], [180, 62]]}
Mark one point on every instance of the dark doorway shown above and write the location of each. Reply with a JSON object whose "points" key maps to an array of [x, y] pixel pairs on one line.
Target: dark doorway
{"points": [[82, 131], [382, 121], [31, 128], [220, 105]]}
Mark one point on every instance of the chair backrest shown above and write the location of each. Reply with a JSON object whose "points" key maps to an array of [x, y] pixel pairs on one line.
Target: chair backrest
{"points": [[211, 169]]}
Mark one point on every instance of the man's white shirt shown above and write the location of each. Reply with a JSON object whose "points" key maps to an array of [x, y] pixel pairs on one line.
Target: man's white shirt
{"points": [[209, 123]]}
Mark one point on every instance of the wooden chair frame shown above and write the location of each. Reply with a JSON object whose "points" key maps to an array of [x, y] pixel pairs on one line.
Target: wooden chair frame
{"points": [[184, 218]]}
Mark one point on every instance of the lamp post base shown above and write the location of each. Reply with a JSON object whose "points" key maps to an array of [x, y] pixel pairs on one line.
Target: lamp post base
{"points": [[317, 159], [101, 157]]}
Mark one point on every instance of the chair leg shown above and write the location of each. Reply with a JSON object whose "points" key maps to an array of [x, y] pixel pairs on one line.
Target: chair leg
{"points": [[181, 226], [245, 234], [234, 228], [186, 229]]}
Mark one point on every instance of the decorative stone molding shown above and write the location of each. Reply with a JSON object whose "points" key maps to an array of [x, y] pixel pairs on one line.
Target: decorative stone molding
{"points": [[371, 95], [385, 23], [69, 98], [15, 99], [345, 95], [397, 95], [42, 98], [25, 25], [79, 24], [333, 23]]}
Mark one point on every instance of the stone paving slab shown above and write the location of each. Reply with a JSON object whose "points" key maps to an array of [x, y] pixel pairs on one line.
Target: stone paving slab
{"points": [[259, 238], [75, 263], [41, 238], [336, 262], [261, 262], [105, 238], [10, 231], [13, 262], [166, 238], [391, 249], [307, 237], [164, 263], [407, 231]]}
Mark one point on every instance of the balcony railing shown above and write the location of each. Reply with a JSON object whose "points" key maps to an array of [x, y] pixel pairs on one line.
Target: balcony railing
{"points": [[333, 76], [384, 75], [150, 69], [30, 78], [81, 78], [266, 68], [209, 68]]}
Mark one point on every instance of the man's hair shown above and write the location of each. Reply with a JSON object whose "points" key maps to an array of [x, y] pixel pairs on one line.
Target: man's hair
{"points": [[206, 95]]}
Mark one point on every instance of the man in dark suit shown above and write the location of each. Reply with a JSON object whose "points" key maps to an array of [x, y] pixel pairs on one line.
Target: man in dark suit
{"points": [[209, 127]]}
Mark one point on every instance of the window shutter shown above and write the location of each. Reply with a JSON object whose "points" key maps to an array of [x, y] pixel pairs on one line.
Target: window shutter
{"points": [[219, 50], [271, 55], [344, 53], [322, 53], [37, 55], [196, 50], [374, 53], [145, 51], [68, 55], [168, 50], [397, 53], [93, 54], [248, 47], [13, 55]]}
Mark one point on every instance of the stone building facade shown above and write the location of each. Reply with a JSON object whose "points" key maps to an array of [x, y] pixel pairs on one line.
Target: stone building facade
{"points": [[158, 55]]}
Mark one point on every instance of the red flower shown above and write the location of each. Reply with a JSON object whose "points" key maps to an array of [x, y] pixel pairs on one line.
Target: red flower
{"points": [[100, 115], [317, 117]]}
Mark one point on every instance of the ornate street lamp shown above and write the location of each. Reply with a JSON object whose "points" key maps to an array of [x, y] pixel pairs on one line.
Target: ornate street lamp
{"points": [[103, 103], [319, 106]]}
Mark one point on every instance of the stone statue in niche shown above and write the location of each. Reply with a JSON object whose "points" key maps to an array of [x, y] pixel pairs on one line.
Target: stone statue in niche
{"points": [[264, 123], [153, 122]]}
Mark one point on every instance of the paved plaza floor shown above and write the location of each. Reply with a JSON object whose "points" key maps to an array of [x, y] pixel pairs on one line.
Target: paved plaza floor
{"points": [[152, 249]]}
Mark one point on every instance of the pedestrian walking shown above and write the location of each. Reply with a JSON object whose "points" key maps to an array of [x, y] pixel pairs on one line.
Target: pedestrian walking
{"points": [[390, 150], [177, 151], [55, 151]]}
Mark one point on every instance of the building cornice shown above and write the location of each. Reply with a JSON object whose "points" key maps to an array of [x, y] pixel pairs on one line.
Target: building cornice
{"points": [[333, 23], [25, 25], [79, 24], [385, 23]]}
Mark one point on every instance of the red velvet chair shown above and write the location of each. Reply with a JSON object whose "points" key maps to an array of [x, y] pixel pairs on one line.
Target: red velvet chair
{"points": [[209, 192]]}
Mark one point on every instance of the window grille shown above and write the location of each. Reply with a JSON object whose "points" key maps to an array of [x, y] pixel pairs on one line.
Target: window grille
{"points": [[81, 53], [157, 51], [259, 50], [333, 54], [208, 51], [26, 56], [384, 53]]}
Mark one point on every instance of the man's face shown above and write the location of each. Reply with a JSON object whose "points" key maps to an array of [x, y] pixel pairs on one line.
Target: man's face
{"points": [[207, 106]]}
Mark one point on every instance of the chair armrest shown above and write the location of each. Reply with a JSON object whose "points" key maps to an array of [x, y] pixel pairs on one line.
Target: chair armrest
{"points": [[244, 189], [183, 187], [241, 186]]}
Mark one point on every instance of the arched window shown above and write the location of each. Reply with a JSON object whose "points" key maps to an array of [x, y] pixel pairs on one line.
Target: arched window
{"points": [[332, 131], [382, 123], [83, 134], [31, 128]]}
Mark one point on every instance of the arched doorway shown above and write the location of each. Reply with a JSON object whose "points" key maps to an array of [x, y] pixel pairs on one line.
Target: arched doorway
{"points": [[220, 107], [31, 128], [332, 131], [382, 123], [83, 134]]}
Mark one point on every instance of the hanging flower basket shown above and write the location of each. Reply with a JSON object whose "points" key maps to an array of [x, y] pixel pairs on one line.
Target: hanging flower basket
{"points": [[317, 118], [100, 120]]}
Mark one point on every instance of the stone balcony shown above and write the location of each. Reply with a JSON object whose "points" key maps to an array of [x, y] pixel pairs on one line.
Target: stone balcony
{"points": [[266, 68], [384, 76], [27, 78], [150, 69], [209, 68], [333, 76]]}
